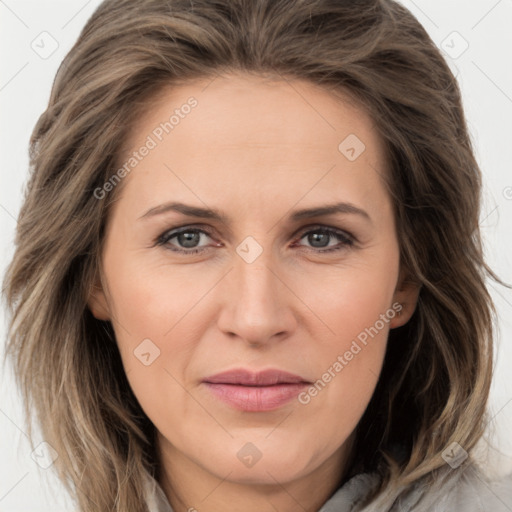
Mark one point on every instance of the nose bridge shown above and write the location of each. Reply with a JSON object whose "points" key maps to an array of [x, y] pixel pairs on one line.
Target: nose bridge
{"points": [[256, 285], [257, 306], [255, 281], [253, 261]]}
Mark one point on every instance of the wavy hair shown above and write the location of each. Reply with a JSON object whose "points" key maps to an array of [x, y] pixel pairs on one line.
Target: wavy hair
{"points": [[437, 371]]}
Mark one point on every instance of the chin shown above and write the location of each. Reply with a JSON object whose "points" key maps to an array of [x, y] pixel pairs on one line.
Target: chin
{"points": [[262, 473], [259, 463]]}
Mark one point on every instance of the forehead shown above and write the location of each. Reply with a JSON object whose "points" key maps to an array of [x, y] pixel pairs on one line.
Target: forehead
{"points": [[237, 108], [250, 136]]}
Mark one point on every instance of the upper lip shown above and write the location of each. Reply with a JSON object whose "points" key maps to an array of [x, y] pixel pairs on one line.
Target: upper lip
{"points": [[244, 377]]}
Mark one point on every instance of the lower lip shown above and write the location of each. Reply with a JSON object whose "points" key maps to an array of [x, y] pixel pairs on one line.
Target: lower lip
{"points": [[255, 398]]}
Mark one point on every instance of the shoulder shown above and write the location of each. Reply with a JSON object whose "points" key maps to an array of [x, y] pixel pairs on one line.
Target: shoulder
{"points": [[475, 492], [465, 488]]}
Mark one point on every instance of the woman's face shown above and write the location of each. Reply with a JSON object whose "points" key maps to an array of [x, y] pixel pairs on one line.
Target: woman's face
{"points": [[258, 280]]}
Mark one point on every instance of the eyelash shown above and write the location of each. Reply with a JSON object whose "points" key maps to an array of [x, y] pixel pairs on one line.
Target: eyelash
{"points": [[346, 239]]}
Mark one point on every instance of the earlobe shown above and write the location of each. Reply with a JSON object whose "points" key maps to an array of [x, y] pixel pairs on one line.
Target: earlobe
{"points": [[97, 303], [406, 294]]}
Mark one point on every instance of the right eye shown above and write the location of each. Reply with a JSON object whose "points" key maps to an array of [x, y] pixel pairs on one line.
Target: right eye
{"points": [[186, 240]]}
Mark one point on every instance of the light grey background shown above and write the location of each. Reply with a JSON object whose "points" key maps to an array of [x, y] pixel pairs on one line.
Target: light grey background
{"points": [[35, 36]]}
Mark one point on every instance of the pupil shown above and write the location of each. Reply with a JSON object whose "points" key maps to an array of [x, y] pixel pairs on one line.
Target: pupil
{"points": [[317, 237], [188, 239]]}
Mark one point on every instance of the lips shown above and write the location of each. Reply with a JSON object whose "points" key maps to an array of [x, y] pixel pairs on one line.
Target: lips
{"points": [[248, 378], [255, 391]]}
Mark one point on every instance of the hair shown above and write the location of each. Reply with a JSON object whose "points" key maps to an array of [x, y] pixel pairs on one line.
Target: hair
{"points": [[435, 381]]}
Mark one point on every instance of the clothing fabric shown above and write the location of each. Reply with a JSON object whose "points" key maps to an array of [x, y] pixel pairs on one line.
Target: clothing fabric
{"points": [[464, 489]]}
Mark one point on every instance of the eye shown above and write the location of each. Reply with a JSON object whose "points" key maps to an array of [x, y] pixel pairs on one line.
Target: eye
{"points": [[321, 236], [186, 240]]}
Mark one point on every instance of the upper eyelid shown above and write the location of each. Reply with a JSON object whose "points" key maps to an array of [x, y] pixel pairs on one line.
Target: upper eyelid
{"points": [[209, 231]]}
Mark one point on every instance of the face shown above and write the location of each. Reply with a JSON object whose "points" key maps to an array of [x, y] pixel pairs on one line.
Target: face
{"points": [[254, 234]]}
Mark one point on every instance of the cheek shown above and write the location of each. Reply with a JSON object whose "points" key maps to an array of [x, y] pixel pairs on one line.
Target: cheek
{"points": [[150, 299], [154, 331], [355, 307], [350, 298], [348, 365]]}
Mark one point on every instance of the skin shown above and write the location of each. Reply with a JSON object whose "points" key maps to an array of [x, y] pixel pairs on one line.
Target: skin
{"points": [[257, 150]]}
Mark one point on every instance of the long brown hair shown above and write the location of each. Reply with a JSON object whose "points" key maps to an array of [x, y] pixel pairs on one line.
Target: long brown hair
{"points": [[436, 377]]}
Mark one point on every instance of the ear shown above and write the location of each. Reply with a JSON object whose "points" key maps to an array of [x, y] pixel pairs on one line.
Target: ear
{"points": [[406, 294], [97, 301]]}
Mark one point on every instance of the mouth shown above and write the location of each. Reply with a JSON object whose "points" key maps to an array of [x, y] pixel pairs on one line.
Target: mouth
{"points": [[255, 391]]}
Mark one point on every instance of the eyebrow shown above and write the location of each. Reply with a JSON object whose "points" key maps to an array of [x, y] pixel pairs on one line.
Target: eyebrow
{"points": [[207, 213]]}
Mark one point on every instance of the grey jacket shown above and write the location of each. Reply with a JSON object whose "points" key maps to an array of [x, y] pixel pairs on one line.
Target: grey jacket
{"points": [[464, 489]]}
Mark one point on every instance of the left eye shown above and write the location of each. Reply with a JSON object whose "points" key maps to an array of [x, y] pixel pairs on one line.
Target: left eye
{"points": [[319, 238]]}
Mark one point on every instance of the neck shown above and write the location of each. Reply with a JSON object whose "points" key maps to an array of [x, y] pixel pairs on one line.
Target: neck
{"points": [[190, 487]]}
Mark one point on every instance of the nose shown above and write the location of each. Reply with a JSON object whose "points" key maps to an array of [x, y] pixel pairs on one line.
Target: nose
{"points": [[258, 306]]}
